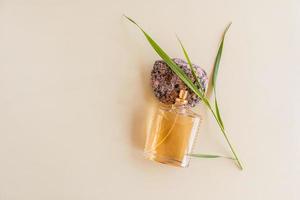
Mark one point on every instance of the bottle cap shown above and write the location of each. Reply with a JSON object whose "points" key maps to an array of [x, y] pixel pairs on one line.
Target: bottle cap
{"points": [[181, 100]]}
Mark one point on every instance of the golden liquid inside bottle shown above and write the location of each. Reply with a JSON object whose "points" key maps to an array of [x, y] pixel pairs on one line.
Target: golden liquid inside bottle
{"points": [[171, 135]]}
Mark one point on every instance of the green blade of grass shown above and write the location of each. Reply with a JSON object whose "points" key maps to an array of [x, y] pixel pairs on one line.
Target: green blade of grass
{"points": [[218, 57], [215, 74], [210, 156], [177, 70], [191, 65], [218, 112], [214, 80]]}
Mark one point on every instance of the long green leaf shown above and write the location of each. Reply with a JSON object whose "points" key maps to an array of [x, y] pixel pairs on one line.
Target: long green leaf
{"points": [[215, 74], [218, 57], [218, 112], [191, 65], [210, 156], [178, 71]]}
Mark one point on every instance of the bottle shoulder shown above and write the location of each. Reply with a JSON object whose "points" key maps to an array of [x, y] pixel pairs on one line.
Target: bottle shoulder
{"points": [[180, 110]]}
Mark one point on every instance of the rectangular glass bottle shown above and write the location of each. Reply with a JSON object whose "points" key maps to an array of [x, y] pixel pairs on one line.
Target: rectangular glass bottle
{"points": [[172, 133]]}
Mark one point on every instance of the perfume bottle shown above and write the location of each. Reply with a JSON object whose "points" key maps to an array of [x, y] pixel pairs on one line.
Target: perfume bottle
{"points": [[172, 132]]}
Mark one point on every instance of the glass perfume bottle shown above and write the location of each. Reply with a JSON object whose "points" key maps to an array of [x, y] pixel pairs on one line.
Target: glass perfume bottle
{"points": [[172, 133]]}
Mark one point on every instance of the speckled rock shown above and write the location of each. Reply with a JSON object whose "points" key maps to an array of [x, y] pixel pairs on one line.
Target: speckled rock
{"points": [[166, 84]]}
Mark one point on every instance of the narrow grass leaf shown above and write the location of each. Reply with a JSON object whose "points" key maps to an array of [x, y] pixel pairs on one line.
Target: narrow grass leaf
{"points": [[177, 70], [218, 57], [210, 156], [218, 112], [190, 64], [215, 74]]}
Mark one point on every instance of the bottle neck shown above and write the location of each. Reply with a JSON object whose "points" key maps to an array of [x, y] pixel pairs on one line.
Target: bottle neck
{"points": [[180, 104], [181, 99]]}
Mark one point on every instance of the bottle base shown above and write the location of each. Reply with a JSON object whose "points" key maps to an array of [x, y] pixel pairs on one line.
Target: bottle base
{"points": [[167, 160]]}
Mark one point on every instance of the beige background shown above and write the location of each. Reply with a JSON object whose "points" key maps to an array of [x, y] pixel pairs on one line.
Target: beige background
{"points": [[75, 97]]}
